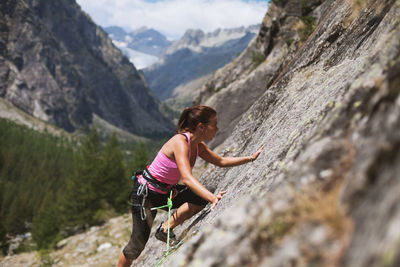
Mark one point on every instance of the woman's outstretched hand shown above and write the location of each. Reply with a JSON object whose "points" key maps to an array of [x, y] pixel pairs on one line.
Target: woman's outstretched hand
{"points": [[217, 199], [255, 155]]}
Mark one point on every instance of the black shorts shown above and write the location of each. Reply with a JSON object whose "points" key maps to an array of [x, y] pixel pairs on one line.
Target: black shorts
{"points": [[141, 229], [183, 195]]}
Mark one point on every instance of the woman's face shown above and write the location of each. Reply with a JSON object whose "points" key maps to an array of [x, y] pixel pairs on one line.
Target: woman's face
{"points": [[211, 128]]}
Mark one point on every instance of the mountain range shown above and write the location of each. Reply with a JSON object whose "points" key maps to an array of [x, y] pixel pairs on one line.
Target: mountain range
{"points": [[59, 66], [191, 60], [176, 70]]}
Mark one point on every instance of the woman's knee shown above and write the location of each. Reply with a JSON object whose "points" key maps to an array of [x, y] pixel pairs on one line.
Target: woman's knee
{"points": [[130, 254], [133, 249], [139, 237]]}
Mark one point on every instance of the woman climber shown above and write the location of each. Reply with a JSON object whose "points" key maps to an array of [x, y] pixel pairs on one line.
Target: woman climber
{"points": [[174, 161]]}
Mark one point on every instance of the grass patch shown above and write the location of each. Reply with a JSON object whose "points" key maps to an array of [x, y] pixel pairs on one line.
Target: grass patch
{"points": [[218, 89], [280, 226], [289, 42], [315, 206], [307, 26], [327, 62], [304, 8], [323, 207], [45, 259], [257, 58], [356, 7]]}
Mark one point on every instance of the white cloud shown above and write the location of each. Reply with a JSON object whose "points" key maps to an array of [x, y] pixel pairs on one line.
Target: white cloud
{"points": [[173, 17]]}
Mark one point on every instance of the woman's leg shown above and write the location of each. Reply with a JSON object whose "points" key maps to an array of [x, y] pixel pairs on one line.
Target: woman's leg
{"points": [[140, 229], [188, 204], [123, 261], [140, 234], [184, 212]]}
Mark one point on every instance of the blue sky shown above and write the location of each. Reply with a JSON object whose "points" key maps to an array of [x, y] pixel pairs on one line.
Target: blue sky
{"points": [[174, 17]]}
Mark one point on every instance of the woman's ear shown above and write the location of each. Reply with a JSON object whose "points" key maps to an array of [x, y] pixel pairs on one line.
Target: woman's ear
{"points": [[200, 126]]}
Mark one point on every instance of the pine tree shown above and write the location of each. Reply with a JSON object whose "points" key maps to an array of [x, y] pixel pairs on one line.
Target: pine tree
{"points": [[31, 164], [46, 223], [14, 219], [3, 244], [112, 183], [140, 157], [80, 201]]}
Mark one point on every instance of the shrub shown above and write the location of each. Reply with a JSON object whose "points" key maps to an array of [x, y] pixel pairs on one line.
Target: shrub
{"points": [[257, 58], [308, 26]]}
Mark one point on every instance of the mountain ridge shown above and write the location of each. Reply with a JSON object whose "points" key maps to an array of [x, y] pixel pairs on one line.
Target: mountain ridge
{"points": [[145, 40], [195, 56], [81, 72]]}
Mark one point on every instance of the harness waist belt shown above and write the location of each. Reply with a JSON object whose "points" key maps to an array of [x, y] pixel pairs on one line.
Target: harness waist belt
{"points": [[153, 181]]}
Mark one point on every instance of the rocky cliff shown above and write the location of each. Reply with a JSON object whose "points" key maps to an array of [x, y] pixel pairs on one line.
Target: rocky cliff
{"points": [[324, 192], [282, 33], [58, 66]]}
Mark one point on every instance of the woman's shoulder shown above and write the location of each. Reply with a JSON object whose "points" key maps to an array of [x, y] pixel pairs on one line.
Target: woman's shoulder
{"points": [[179, 137], [176, 140]]}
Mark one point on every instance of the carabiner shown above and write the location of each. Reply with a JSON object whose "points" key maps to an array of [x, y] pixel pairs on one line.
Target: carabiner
{"points": [[142, 187], [143, 191]]}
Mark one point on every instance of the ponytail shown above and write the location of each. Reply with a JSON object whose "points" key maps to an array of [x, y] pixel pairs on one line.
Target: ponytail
{"points": [[190, 117], [182, 123]]}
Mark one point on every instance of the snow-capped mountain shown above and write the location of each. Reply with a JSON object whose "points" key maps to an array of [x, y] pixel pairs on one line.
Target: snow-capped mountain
{"points": [[175, 71], [198, 41], [143, 46], [192, 59]]}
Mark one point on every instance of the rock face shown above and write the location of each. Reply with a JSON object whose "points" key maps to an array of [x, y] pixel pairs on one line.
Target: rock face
{"points": [[195, 55], [244, 80], [325, 190], [57, 65]]}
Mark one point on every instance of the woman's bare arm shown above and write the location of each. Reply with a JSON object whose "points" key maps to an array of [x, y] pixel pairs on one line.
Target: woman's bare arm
{"points": [[210, 156], [181, 151]]}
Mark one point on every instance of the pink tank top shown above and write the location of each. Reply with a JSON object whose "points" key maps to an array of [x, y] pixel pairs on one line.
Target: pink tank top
{"points": [[165, 169]]}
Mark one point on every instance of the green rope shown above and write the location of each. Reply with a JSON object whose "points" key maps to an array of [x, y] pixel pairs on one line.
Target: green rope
{"points": [[169, 206]]}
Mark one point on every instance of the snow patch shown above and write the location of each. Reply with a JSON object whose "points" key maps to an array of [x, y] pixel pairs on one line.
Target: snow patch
{"points": [[139, 59]]}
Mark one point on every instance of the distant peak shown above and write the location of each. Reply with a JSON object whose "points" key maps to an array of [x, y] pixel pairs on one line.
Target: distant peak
{"points": [[192, 36], [114, 29], [193, 32], [141, 29]]}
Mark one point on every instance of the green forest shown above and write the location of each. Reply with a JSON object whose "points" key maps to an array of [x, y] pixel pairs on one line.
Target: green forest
{"points": [[49, 185]]}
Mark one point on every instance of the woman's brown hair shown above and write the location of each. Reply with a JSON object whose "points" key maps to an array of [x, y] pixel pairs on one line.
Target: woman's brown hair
{"points": [[190, 117]]}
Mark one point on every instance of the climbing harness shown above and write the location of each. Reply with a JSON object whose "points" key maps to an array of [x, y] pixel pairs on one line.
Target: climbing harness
{"points": [[164, 187], [143, 189]]}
